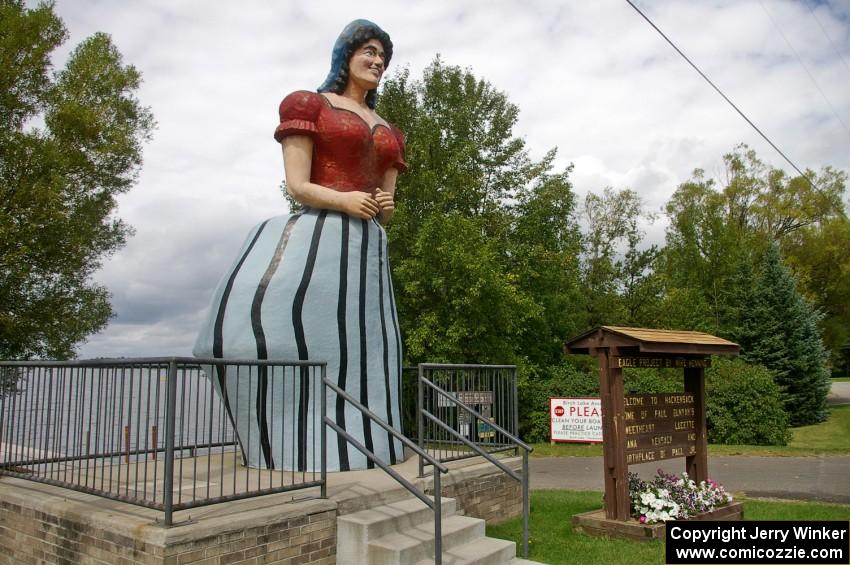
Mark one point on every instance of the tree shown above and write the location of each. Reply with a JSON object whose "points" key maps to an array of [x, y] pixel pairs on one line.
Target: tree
{"points": [[465, 307], [70, 142], [781, 333], [714, 228], [702, 253], [770, 202], [617, 272], [483, 243], [819, 255], [544, 253]]}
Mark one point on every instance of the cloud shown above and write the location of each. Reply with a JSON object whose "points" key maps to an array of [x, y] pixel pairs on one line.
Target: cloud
{"points": [[592, 78]]}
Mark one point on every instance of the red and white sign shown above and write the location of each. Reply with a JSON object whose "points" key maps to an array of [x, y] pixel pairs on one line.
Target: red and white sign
{"points": [[577, 419]]}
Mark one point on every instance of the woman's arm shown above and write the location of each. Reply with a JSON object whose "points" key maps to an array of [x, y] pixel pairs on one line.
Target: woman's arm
{"points": [[385, 196], [297, 159]]}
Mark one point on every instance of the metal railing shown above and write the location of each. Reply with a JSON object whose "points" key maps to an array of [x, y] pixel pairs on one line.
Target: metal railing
{"points": [[458, 430], [435, 504], [490, 389], [163, 433]]}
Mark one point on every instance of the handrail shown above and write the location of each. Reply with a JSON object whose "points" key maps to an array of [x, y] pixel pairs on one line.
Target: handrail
{"points": [[472, 446], [435, 504], [523, 480], [333, 386], [164, 361]]}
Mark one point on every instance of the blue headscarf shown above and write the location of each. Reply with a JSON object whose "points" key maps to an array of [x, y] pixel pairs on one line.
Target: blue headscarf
{"points": [[352, 37]]}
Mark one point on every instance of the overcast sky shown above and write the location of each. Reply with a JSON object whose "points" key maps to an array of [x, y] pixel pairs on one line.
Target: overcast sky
{"points": [[590, 77]]}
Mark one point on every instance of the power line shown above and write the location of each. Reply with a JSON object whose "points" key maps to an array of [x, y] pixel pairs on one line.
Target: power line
{"points": [[720, 92], [802, 64], [831, 42]]}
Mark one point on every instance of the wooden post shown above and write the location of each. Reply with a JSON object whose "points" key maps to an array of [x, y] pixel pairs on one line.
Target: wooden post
{"points": [[696, 465], [127, 444], [608, 456], [617, 503]]}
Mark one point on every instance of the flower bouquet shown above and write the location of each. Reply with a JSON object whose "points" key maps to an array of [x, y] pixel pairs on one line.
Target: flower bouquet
{"points": [[668, 497]]}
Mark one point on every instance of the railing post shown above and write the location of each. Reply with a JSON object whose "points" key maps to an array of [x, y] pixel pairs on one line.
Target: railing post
{"points": [[515, 429], [170, 416], [324, 435], [525, 504], [438, 519], [419, 423]]}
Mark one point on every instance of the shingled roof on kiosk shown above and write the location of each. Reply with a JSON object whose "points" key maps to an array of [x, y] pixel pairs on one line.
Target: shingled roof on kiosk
{"points": [[645, 340]]}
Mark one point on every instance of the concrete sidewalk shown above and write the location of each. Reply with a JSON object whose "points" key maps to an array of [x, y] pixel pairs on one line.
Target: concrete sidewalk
{"points": [[804, 478]]}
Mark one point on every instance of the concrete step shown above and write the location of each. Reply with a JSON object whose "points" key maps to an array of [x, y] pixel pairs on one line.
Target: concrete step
{"points": [[417, 543], [483, 551], [519, 561], [399, 516], [356, 530]]}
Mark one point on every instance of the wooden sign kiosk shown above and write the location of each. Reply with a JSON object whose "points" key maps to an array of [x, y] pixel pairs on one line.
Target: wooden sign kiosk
{"points": [[637, 429]]}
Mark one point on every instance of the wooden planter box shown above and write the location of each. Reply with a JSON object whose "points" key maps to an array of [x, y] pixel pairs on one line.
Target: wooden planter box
{"points": [[596, 524]]}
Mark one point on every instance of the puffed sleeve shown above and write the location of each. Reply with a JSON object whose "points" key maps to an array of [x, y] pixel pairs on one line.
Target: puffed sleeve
{"points": [[298, 114], [399, 163]]}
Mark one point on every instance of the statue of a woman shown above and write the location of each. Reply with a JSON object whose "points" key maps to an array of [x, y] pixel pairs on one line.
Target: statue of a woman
{"points": [[316, 285]]}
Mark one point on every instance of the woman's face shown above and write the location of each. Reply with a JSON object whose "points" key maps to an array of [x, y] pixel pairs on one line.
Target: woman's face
{"points": [[366, 65]]}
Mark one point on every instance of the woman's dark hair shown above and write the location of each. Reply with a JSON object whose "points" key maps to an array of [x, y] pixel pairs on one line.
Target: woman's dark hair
{"points": [[352, 37]]}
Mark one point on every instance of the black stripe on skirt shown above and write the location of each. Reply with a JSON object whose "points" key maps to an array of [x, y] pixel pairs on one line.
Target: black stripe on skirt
{"points": [[218, 333], [298, 322], [364, 393], [342, 444], [260, 337], [388, 394]]}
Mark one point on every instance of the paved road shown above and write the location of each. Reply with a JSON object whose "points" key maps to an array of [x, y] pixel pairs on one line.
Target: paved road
{"points": [[804, 478], [839, 394]]}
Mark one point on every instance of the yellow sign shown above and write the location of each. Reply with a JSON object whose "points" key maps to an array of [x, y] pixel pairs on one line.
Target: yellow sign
{"points": [[661, 363]]}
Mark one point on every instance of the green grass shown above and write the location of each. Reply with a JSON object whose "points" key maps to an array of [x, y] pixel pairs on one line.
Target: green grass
{"points": [[841, 380], [552, 540], [827, 438], [566, 450], [764, 509], [551, 536]]}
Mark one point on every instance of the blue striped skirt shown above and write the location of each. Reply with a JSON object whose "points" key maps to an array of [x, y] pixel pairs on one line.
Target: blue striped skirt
{"points": [[308, 286]]}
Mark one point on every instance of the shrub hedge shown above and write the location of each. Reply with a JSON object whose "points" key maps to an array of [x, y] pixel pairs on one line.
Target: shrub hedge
{"points": [[743, 404]]}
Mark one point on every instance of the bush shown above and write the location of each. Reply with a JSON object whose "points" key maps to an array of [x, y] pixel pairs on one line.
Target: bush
{"points": [[744, 405]]}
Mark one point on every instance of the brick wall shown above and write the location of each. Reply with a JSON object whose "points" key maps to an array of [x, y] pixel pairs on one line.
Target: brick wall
{"points": [[30, 535], [45, 524], [493, 497], [304, 539]]}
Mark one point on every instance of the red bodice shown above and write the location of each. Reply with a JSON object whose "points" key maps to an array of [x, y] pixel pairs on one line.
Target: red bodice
{"points": [[347, 154]]}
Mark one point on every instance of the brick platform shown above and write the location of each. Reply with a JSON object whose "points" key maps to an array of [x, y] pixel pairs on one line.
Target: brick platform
{"points": [[41, 523]]}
